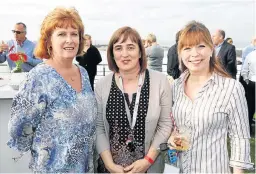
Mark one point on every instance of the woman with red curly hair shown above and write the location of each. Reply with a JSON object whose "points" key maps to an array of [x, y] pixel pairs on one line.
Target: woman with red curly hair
{"points": [[54, 112]]}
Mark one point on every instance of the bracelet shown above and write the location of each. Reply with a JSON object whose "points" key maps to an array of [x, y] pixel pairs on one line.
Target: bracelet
{"points": [[150, 160]]}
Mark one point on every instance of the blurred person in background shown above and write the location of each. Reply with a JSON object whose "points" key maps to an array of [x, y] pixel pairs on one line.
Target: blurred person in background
{"points": [[155, 54], [147, 43], [89, 59], [225, 52], [248, 73], [229, 40], [173, 60], [248, 49], [20, 43]]}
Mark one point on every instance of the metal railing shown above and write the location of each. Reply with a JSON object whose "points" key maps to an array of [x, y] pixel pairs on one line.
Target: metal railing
{"points": [[103, 70]]}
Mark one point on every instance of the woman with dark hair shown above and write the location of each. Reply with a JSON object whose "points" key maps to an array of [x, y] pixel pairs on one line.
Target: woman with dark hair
{"points": [[90, 59], [133, 109], [210, 105], [229, 40]]}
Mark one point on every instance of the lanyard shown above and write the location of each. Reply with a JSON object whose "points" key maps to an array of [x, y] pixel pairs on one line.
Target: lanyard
{"points": [[173, 122], [137, 100]]}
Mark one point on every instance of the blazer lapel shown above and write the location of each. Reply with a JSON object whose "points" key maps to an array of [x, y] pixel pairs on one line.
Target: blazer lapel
{"points": [[223, 47]]}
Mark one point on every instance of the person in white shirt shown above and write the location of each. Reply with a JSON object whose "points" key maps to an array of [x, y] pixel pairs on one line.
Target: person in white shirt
{"points": [[248, 73], [210, 105]]}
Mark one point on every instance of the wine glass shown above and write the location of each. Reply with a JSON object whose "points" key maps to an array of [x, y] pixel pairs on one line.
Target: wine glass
{"points": [[180, 139]]}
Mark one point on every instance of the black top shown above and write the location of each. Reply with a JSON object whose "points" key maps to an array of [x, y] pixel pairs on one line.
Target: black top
{"points": [[122, 153], [90, 60], [173, 62], [227, 57]]}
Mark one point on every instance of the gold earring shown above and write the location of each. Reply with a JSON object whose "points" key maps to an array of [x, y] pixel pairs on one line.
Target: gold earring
{"points": [[48, 50]]}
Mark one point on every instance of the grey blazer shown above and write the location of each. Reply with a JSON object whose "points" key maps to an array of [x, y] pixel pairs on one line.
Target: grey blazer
{"points": [[158, 121]]}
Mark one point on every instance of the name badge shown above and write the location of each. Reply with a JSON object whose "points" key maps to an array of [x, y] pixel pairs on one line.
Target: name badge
{"points": [[171, 169]]}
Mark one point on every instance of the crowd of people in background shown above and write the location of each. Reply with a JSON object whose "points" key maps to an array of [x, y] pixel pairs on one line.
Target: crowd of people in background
{"points": [[127, 116]]}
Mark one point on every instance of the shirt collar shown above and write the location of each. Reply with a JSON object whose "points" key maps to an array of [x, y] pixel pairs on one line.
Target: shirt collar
{"points": [[218, 46], [213, 78], [22, 42]]}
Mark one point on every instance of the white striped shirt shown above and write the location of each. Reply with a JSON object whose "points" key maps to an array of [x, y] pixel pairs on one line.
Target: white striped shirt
{"points": [[219, 109]]}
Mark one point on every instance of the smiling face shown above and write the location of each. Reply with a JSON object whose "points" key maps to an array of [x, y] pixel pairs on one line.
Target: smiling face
{"points": [[126, 55], [195, 48], [197, 58], [65, 43]]}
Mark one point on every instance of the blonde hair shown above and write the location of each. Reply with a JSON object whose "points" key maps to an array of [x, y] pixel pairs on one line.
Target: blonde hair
{"points": [[193, 34], [125, 33], [58, 18], [151, 38], [87, 36]]}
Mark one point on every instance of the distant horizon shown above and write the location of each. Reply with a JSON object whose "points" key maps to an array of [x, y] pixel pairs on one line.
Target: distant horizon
{"points": [[239, 45], [163, 17]]}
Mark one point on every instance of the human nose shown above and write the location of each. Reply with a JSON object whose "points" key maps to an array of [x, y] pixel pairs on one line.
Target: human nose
{"points": [[69, 39], [194, 52], [124, 52]]}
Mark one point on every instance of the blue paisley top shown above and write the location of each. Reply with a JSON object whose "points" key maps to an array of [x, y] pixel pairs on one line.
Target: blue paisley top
{"points": [[53, 121]]}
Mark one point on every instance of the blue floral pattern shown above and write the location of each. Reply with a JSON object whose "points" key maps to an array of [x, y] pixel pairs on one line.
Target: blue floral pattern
{"points": [[55, 122]]}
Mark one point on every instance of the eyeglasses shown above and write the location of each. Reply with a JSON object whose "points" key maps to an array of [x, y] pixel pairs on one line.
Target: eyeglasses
{"points": [[18, 32]]}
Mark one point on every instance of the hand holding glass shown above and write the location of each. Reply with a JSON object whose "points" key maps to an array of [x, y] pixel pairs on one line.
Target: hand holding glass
{"points": [[180, 140]]}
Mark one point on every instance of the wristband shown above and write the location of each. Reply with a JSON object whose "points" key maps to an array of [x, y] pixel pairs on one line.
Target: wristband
{"points": [[150, 160]]}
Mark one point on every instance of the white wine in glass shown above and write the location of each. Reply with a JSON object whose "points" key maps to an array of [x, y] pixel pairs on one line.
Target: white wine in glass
{"points": [[182, 139]]}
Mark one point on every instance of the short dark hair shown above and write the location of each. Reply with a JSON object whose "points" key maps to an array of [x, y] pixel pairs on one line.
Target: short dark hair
{"points": [[228, 38], [24, 25], [125, 33], [222, 33], [177, 36]]}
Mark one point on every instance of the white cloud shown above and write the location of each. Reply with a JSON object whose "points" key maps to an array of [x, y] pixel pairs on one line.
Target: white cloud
{"points": [[163, 17]]}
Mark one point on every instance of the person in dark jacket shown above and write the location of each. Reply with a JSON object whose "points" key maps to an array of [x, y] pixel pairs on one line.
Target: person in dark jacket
{"points": [[173, 60], [226, 53], [90, 59]]}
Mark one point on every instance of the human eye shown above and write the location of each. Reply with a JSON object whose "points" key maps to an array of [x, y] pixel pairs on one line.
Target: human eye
{"points": [[201, 46], [186, 48], [74, 34], [117, 48], [61, 34], [131, 48]]}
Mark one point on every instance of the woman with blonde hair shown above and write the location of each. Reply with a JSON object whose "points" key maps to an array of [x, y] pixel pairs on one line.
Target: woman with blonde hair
{"points": [[210, 105], [53, 114], [90, 58], [154, 53]]}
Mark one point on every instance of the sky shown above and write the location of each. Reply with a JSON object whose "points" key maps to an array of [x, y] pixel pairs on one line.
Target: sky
{"points": [[161, 17]]}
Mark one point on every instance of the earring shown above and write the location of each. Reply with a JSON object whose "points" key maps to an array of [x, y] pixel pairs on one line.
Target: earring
{"points": [[49, 50]]}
